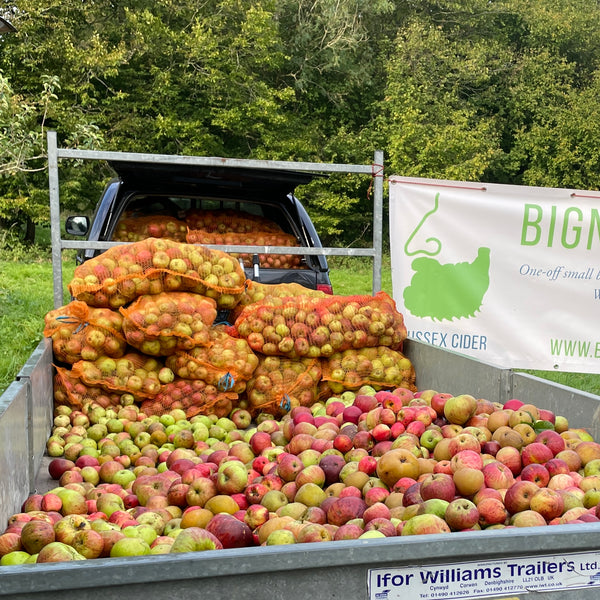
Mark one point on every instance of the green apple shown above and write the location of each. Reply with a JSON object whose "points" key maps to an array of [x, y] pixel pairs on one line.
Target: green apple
{"points": [[144, 531], [16, 557], [372, 533], [130, 546], [280, 537]]}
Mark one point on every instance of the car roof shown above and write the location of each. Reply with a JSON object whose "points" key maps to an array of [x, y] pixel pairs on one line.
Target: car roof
{"points": [[221, 177]]}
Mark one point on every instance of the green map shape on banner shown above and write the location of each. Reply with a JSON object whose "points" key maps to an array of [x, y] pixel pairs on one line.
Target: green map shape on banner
{"points": [[445, 291], [448, 291]]}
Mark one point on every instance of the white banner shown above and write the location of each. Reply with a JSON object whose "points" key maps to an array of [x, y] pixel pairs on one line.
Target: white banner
{"points": [[506, 274]]}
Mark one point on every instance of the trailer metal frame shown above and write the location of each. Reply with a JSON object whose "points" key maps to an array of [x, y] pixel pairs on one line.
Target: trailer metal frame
{"points": [[374, 170], [327, 570]]}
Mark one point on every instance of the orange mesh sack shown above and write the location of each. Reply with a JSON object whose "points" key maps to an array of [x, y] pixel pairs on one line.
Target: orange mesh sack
{"points": [[380, 367], [257, 292], [228, 363], [126, 272], [319, 327], [79, 332], [134, 373], [134, 229], [279, 384], [195, 397], [69, 390], [162, 324], [253, 238], [228, 221]]}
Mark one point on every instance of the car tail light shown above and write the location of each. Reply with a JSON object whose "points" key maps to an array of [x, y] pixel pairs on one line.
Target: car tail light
{"points": [[325, 287]]}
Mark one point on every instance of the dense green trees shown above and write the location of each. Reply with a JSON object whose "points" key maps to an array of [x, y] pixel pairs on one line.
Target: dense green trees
{"points": [[500, 91]]}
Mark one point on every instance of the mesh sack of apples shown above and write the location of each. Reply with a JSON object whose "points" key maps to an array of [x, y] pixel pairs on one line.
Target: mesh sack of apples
{"points": [[79, 332], [127, 271], [228, 221], [252, 238], [380, 367], [194, 397], [71, 391], [278, 384], [134, 229], [256, 292], [134, 373], [162, 324], [227, 363], [319, 327]]}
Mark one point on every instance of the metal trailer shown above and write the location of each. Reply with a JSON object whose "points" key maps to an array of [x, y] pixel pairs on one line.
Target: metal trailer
{"points": [[377, 569]]}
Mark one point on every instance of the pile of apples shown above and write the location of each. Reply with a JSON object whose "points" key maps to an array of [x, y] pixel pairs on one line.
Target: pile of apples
{"points": [[365, 464], [80, 332], [319, 327], [136, 228], [193, 396], [127, 271], [132, 373], [227, 362], [254, 238], [162, 324], [228, 221], [278, 381]]}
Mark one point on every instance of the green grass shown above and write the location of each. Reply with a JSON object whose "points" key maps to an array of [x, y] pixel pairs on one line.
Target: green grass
{"points": [[350, 275], [26, 296]]}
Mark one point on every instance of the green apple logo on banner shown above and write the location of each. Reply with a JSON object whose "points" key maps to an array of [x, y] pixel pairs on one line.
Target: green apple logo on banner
{"points": [[445, 291]]}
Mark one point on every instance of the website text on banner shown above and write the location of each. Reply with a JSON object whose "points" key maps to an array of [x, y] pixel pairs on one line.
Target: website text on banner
{"points": [[506, 274]]}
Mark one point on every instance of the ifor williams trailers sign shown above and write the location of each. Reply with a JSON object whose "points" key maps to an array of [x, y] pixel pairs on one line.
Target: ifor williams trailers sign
{"points": [[505, 274], [487, 579]]}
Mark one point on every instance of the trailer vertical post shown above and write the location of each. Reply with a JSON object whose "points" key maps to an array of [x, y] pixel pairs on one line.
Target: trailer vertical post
{"points": [[55, 219], [377, 219]]}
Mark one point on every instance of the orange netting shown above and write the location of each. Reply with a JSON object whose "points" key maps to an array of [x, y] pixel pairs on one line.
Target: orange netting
{"points": [[319, 327], [134, 373], [70, 390], [227, 363], [279, 384], [256, 292], [134, 229], [79, 332], [380, 367], [228, 221], [125, 272], [195, 397], [253, 238], [162, 324]]}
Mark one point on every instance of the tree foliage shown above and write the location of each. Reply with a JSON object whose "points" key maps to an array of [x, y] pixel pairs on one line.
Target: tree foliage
{"points": [[500, 91]]}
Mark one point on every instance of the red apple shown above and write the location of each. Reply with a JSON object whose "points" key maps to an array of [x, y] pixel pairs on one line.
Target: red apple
{"points": [[58, 466], [518, 496], [552, 439], [497, 475], [536, 473], [344, 509], [536, 452], [438, 485], [491, 512], [36, 534], [383, 525], [511, 457], [231, 532], [348, 531], [548, 503], [461, 514]]}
